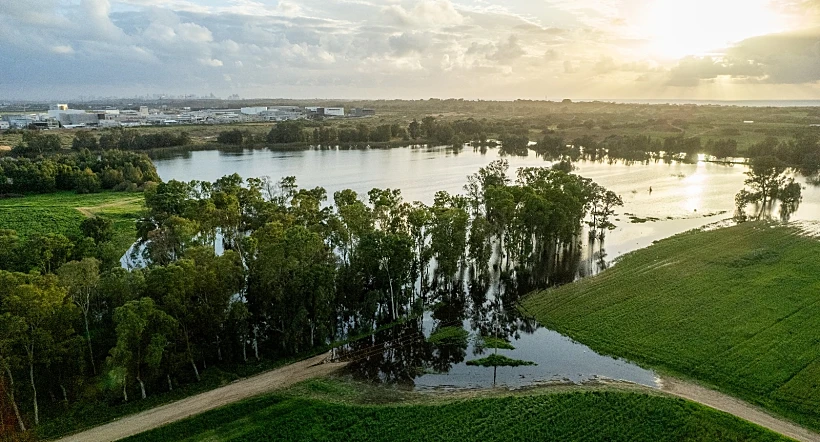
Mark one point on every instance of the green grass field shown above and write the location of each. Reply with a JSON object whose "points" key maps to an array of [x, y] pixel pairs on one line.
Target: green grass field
{"points": [[736, 308], [64, 211], [324, 410]]}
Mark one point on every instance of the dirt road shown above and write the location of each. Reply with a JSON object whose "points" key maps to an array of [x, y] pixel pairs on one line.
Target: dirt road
{"points": [[234, 392], [743, 410], [316, 367]]}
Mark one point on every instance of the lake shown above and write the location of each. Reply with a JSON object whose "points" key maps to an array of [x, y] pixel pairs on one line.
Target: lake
{"points": [[682, 197]]}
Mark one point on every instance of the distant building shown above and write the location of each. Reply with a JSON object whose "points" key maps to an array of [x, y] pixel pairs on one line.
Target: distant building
{"points": [[143, 112], [18, 121], [253, 110], [748, 122], [362, 112], [4, 125], [325, 111]]}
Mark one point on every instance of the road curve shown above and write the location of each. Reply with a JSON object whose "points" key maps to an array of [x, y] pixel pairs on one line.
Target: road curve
{"points": [[736, 407], [228, 394]]}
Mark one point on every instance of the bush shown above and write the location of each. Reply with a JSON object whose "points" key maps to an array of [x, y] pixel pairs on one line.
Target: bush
{"points": [[88, 182]]}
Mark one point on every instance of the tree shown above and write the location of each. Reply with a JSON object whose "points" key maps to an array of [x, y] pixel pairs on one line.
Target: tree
{"points": [[414, 129], [98, 228], [80, 278], [84, 140], [38, 305], [11, 328], [766, 179], [234, 137], [142, 336], [428, 126], [88, 182]]}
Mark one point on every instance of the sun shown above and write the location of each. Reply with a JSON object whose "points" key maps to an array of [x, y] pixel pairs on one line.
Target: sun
{"points": [[676, 28]]}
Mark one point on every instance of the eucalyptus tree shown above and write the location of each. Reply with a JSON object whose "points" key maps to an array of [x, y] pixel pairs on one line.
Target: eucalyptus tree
{"points": [[80, 278], [40, 308], [419, 222], [448, 234], [217, 280], [11, 329], [291, 273], [143, 333], [353, 219]]}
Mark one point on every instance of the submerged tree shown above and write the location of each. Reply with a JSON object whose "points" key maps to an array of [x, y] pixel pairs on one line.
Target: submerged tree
{"points": [[767, 182]]}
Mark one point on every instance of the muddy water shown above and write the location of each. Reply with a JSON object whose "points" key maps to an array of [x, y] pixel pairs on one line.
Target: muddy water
{"points": [[682, 197]]}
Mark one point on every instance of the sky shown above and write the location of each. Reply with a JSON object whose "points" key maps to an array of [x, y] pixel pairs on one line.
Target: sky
{"points": [[412, 49]]}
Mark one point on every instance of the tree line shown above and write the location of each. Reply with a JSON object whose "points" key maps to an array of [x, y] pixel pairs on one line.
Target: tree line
{"points": [[35, 142], [83, 172], [293, 272]]}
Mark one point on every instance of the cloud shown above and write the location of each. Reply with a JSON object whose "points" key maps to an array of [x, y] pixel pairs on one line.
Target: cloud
{"points": [[410, 42], [364, 48], [212, 62], [788, 58]]}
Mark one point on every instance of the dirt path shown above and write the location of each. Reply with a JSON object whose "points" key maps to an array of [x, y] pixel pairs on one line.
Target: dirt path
{"points": [[234, 392], [88, 212], [743, 410]]}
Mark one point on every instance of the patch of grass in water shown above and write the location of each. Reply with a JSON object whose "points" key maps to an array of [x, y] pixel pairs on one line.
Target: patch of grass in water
{"points": [[499, 361], [449, 335], [493, 342]]}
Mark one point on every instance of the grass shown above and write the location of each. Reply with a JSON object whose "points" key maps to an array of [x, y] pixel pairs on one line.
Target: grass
{"points": [[83, 416], [495, 360], [736, 308], [323, 410], [449, 335], [63, 212]]}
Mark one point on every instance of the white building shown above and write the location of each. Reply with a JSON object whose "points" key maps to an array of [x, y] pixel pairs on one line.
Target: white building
{"points": [[253, 110], [334, 112], [4, 125]]}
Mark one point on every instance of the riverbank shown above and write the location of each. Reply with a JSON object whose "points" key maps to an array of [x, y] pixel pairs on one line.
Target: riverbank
{"points": [[734, 308]]}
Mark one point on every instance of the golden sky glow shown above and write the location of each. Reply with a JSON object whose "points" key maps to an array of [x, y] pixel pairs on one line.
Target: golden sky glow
{"points": [[489, 49], [677, 28]]}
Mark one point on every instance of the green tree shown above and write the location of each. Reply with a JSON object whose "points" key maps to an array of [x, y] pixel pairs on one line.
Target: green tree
{"points": [[414, 129], [88, 182], [80, 278], [98, 228], [39, 305], [84, 140], [143, 332]]}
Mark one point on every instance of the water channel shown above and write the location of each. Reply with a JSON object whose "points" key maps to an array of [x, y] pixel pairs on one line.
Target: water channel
{"points": [[682, 197]]}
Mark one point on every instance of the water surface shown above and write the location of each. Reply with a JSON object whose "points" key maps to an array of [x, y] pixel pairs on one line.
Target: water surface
{"points": [[682, 197]]}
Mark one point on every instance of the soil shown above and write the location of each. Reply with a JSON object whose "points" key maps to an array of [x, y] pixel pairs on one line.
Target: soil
{"points": [[736, 407], [234, 392]]}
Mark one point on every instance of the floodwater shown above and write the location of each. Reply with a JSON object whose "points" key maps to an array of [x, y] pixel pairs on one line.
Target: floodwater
{"points": [[682, 197]]}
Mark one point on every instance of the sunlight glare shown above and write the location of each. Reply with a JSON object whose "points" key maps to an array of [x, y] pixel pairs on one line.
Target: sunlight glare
{"points": [[697, 27]]}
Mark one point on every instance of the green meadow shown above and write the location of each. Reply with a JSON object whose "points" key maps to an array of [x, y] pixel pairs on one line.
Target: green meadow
{"points": [[737, 309], [327, 410]]}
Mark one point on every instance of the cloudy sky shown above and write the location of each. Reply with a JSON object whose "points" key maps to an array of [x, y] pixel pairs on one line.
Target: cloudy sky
{"points": [[492, 49]]}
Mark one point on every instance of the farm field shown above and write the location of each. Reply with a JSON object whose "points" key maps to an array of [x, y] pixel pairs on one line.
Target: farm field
{"points": [[333, 410], [63, 212], [735, 308]]}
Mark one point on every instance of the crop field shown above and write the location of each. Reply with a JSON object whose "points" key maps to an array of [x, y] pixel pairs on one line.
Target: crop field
{"points": [[735, 308], [64, 211], [315, 412]]}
